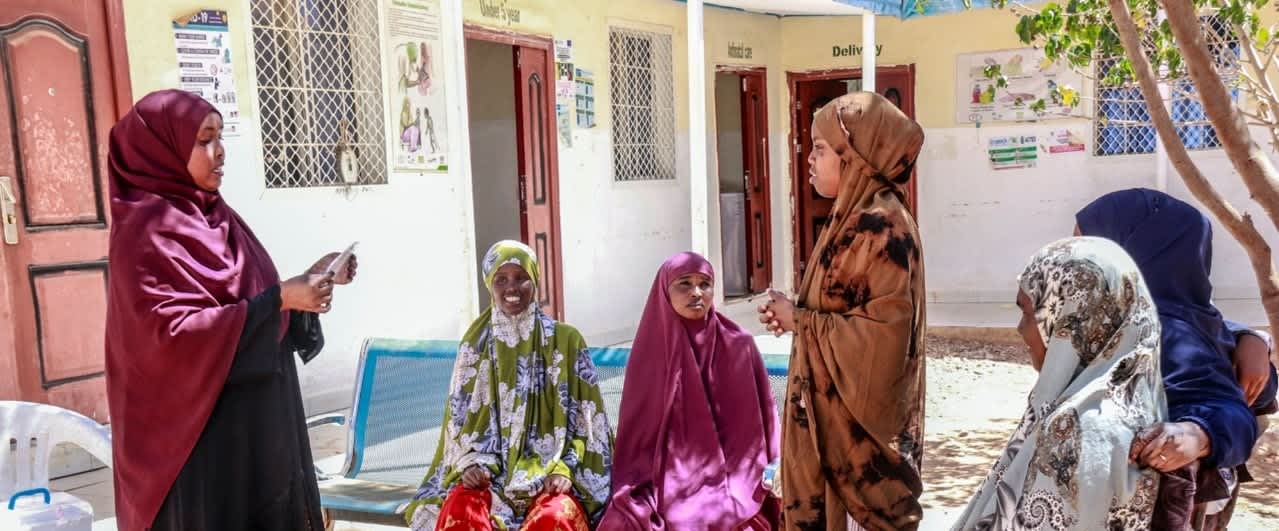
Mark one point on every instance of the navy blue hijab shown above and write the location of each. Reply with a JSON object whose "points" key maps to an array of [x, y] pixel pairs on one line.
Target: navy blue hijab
{"points": [[1171, 242]]}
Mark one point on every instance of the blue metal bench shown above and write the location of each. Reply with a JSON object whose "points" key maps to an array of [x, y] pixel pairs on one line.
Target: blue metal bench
{"points": [[400, 392]]}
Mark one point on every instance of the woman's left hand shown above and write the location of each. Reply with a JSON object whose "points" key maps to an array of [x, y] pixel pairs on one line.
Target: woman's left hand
{"points": [[556, 484], [1252, 366], [1168, 446], [342, 277]]}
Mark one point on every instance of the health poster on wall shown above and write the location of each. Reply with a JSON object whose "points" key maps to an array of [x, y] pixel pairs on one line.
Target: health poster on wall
{"points": [[1065, 141], [1013, 152], [563, 121], [585, 80], [564, 81], [564, 90], [418, 99], [203, 45], [563, 50], [1031, 77]]}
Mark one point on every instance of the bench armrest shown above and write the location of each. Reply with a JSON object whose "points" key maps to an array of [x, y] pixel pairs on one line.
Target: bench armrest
{"points": [[326, 419]]}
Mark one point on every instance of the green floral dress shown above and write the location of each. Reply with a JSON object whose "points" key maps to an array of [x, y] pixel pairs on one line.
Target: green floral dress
{"points": [[524, 402]]}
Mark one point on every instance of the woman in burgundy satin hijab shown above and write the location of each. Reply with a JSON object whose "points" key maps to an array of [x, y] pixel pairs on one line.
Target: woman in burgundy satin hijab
{"points": [[698, 423], [207, 422]]}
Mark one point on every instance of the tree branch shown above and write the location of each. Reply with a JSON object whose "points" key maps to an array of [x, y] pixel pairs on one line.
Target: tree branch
{"points": [[1258, 119], [1264, 87], [1239, 225], [1252, 164]]}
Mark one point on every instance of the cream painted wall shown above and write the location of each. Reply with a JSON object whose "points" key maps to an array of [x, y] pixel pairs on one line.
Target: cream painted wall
{"points": [[930, 43]]}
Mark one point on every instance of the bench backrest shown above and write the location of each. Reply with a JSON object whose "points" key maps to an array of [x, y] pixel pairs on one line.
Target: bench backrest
{"points": [[401, 390]]}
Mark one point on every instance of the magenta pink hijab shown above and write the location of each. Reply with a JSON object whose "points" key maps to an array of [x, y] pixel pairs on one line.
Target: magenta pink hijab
{"points": [[698, 424], [182, 267]]}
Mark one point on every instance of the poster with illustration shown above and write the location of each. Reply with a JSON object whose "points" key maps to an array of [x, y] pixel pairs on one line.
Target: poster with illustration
{"points": [[1065, 141], [418, 101], [203, 46], [585, 80], [1031, 77]]}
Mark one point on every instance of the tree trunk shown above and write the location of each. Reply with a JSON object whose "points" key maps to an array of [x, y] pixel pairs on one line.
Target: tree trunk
{"points": [[1239, 225], [1231, 126]]}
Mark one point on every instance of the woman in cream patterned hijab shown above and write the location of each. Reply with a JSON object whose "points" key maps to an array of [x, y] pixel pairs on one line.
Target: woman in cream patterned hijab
{"points": [[1093, 334]]}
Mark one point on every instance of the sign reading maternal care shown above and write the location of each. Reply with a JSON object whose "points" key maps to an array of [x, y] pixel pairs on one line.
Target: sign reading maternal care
{"points": [[853, 50], [739, 50]]}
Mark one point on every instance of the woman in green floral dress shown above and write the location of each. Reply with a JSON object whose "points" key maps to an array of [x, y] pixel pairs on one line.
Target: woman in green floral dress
{"points": [[525, 442]]}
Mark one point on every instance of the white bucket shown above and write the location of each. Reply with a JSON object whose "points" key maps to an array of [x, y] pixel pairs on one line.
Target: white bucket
{"points": [[40, 510]]}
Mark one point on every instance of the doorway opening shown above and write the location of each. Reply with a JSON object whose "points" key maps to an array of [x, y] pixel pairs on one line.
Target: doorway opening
{"points": [[514, 166], [809, 92], [741, 118]]}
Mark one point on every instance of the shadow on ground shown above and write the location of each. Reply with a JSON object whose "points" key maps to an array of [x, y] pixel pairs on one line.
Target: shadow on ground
{"points": [[1261, 497], [955, 463]]}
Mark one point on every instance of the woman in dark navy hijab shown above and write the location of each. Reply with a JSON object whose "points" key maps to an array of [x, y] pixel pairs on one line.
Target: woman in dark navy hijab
{"points": [[1210, 422]]}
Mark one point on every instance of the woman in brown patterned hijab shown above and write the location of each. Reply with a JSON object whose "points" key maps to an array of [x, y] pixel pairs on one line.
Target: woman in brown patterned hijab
{"points": [[852, 434]]}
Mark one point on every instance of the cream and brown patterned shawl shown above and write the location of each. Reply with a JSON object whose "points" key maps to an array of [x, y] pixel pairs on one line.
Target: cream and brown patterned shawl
{"points": [[1066, 466]]}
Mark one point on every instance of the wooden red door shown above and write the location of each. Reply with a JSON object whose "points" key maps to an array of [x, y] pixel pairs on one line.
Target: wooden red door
{"points": [[755, 162], [64, 85], [897, 83], [811, 209], [539, 188]]}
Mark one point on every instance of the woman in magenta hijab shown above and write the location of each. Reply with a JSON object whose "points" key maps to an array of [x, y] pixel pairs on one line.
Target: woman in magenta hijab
{"points": [[208, 430], [698, 424]]}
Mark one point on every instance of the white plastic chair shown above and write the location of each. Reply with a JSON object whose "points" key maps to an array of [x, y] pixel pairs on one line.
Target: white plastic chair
{"points": [[28, 434]]}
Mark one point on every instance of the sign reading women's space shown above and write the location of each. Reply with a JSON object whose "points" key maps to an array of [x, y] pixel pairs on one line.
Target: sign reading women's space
{"points": [[204, 63], [418, 99], [1031, 77]]}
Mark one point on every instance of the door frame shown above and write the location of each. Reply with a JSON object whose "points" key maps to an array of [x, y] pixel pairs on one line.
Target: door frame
{"points": [[524, 40], [119, 52], [798, 182], [761, 73]]}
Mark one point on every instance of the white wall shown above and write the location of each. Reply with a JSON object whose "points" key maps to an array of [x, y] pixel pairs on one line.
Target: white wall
{"points": [[494, 156], [980, 226], [1234, 284]]}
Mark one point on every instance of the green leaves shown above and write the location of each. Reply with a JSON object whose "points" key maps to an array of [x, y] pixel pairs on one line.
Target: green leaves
{"points": [[995, 72]]}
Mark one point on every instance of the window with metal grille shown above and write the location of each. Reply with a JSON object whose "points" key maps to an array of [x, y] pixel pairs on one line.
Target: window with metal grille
{"points": [[643, 101], [1123, 125], [319, 78]]}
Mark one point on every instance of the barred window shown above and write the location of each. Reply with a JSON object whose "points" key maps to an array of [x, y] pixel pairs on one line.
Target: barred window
{"points": [[643, 101], [1123, 125], [319, 78]]}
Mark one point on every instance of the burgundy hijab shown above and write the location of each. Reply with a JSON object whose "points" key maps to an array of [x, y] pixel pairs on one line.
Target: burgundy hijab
{"points": [[698, 424], [182, 266]]}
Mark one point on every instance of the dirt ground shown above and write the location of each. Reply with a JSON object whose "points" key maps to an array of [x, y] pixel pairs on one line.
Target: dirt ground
{"points": [[976, 395]]}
